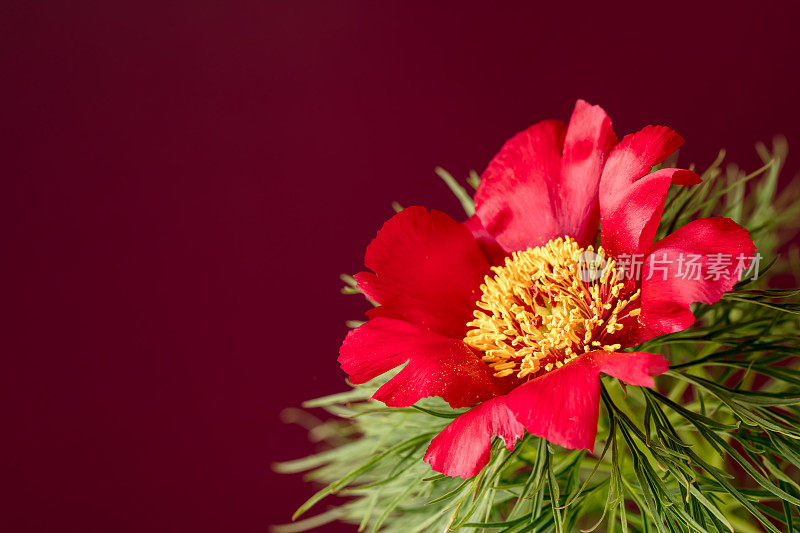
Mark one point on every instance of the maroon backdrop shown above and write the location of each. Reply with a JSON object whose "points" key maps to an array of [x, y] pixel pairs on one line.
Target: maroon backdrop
{"points": [[184, 183]]}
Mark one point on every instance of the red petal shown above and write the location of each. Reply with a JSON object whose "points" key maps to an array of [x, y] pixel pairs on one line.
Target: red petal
{"points": [[515, 200], [588, 141], [529, 194], [631, 219], [494, 252], [562, 405], [427, 270], [437, 365], [633, 157], [665, 302], [462, 448], [634, 368]]}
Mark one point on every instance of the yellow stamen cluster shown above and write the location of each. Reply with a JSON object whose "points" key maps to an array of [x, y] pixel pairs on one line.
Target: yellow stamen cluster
{"points": [[546, 306]]}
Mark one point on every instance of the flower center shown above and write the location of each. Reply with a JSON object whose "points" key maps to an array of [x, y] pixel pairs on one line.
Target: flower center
{"points": [[548, 305]]}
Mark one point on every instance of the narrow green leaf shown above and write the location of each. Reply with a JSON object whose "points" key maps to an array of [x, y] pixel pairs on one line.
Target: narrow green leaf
{"points": [[463, 196]]}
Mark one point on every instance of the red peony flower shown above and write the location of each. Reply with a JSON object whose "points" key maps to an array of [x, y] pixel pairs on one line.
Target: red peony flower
{"points": [[498, 312]]}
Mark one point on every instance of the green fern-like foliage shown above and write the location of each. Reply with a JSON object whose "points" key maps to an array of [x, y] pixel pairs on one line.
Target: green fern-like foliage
{"points": [[716, 447]]}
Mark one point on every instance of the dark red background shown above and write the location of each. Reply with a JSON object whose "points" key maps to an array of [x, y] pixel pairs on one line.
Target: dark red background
{"points": [[184, 183]]}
